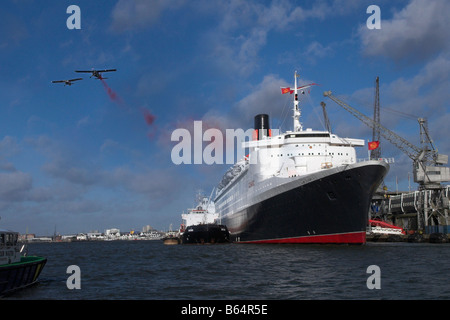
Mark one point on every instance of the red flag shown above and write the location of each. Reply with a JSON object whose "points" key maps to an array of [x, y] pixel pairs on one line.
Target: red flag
{"points": [[285, 90], [373, 145]]}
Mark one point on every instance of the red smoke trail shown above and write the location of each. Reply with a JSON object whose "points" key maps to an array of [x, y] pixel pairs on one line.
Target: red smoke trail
{"points": [[112, 95], [149, 119]]}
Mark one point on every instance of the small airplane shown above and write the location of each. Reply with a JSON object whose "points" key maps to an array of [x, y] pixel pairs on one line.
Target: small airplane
{"points": [[67, 82], [96, 73]]}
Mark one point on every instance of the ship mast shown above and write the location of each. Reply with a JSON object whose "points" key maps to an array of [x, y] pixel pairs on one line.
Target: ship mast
{"points": [[297, 113]]}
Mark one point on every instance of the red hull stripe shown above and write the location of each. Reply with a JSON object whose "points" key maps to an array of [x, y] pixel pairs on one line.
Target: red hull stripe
{"points": [[355, 237]]}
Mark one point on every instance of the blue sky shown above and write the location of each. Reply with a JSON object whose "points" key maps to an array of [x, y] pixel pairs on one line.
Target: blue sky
{"points": [[74, 159]]}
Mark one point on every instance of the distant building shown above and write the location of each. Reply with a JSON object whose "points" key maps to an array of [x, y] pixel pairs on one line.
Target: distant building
{"points": [[81, 236], [69, 237], [113, 233], [41, 239], [147, 228], [94, 235], [26, 237]]}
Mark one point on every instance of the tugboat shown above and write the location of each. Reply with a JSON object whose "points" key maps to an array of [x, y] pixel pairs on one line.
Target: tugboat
{"points": [[171, 237], [17, 270], [200, 225]]}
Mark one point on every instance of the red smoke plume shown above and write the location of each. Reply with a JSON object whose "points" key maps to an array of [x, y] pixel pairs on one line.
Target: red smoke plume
{"points": [[112, 95], [149, 119]]}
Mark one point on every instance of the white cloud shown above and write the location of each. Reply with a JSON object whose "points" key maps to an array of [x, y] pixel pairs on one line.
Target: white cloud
{"points": [[315, 51], [83, 121], [8, 147], [416, 33], [426, 94], [14, 185], [244, 26], [129, 15], [109, 144], [263, 98]]}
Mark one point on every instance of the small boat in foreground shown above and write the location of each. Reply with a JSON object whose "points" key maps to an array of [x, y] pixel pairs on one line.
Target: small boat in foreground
{"points": [[171, 239], [17, 270]]}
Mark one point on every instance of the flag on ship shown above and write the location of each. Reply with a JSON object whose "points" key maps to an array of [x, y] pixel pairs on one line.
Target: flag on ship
{"points": [[373, 145], [286, 90]]}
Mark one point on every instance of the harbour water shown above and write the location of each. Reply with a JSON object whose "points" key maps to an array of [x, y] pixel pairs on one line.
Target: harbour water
{"points": [[150, 270]]}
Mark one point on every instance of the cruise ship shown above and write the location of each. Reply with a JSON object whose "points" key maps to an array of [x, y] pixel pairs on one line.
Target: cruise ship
{"points": [[301, 186]]}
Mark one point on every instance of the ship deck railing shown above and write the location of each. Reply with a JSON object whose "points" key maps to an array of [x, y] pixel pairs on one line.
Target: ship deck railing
{"points": [[387, 160]]}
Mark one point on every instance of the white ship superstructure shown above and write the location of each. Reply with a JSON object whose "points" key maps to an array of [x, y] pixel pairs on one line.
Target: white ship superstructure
{"points": [[203, 213]]}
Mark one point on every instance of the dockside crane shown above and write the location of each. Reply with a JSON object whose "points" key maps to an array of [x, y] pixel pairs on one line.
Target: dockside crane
{"points": [[325, 117], [427, 162], [376, 153]]}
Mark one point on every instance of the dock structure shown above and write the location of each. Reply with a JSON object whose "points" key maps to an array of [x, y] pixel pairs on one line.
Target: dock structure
{"points": [[423, 211]]}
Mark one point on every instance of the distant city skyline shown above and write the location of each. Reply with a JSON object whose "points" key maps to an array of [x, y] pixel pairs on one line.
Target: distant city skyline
{"points": [[145, 228]]}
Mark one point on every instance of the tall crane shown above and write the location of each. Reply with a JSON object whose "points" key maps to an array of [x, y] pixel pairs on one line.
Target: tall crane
{"points": [[427, 162], [325, 117], [376, 153]]}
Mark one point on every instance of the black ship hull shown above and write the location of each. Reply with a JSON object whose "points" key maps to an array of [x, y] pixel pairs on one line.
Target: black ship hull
{"points": [[329, 208], [21, 274], [205, 234]]}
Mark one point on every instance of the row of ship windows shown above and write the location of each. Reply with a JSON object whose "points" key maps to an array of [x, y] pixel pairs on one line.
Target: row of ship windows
{"points": [[311, 145], [8, 238], [311, 154]]}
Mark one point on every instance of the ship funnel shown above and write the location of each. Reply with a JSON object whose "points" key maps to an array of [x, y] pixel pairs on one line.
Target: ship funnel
{"points": [[261, 127]]}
